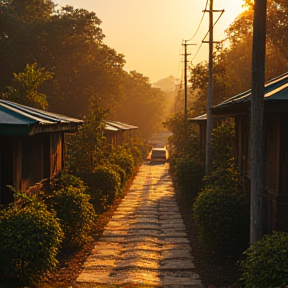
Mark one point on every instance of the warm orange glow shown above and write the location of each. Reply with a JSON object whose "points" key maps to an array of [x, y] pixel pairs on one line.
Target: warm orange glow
{"points": [[149, 32]]}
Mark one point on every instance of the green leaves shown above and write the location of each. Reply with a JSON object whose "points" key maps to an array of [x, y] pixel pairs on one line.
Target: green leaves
{"points": [[266, 262], [30, 239], [223, 221], [25, 87], [75, 213]]}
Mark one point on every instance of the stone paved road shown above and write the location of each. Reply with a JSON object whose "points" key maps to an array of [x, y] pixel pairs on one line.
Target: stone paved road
{"points": [[145, 242]]}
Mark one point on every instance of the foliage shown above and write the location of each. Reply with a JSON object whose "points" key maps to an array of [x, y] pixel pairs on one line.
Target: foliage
{"points": [[104, 184], [122, 157], [25, 85], [142, 105], [223, 221], [76, 214], [65, 180], [266, 262], [184, 138], [30, 237], [137, 155], [65, 41], [220, 211], [85, 148], [232, 65], [186, 157], [224, 173], [223, 144], [189, 173]]}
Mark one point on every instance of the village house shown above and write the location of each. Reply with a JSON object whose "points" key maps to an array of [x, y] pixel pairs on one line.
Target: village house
{"points": [[118, 133], [275, 143], [31, 146]]}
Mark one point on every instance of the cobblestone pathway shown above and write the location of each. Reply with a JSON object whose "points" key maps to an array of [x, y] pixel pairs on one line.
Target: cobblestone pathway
{"points": [[145, 242]]}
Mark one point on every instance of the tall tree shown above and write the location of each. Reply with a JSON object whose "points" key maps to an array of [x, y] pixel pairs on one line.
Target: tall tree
{"points": [[143, 105], [257, 108], [67, 42], [26, 85]]}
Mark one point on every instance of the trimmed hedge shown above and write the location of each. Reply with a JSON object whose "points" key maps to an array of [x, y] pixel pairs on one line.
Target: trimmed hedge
{"points": [[189, 173], [223, 222], [30, 238], [76, 213], [121, 157], [266, 262], [105, 184]]}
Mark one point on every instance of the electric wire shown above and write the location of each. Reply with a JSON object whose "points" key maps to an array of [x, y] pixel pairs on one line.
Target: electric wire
{"points": [[207, 34], [199, 23]]}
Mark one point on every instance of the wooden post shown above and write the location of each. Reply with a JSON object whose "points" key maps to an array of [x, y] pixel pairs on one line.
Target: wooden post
{"points": [[257, 110]]}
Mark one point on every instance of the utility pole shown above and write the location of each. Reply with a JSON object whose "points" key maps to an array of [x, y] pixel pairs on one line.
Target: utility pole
{"points": [[208, 159], [185, 77], [257, 110]]}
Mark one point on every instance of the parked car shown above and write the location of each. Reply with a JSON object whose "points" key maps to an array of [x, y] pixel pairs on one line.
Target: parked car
{"points": [[159, 154]]}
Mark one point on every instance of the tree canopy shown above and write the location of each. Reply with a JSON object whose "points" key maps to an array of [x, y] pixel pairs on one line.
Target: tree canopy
{"points": [[232, 65], [69, 44]]}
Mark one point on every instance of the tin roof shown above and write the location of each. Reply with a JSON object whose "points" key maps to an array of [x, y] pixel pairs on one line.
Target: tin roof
{"points": [[110, 128], [17, 119], [120, 126], [200, 118], [275, 89]]}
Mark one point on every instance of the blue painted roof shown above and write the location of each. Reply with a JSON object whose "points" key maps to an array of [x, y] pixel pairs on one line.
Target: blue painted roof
{"points": [[275, 89], [19, 119]]}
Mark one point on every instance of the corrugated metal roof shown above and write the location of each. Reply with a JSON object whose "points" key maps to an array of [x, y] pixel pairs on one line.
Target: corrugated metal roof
{"points": [[110, 128], [202, 117], [275, 89], [20, 119], [121, 126]]}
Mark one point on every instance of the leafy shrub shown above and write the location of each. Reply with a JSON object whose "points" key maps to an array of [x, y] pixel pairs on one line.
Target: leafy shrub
{"points": [[77, 215], [189, 174], [223, 145], [65, 180], [266, 262], [30, 238], [120, 171], [225, 178], [121, 157], [104, 185], [137, 155], [223, 222]]}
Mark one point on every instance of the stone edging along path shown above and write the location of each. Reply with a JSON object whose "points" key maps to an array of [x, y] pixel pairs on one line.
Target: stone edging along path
{"points": [[145, 242]]}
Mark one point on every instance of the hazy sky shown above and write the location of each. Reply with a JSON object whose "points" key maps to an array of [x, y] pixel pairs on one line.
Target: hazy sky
{"points": [[150, 32]]}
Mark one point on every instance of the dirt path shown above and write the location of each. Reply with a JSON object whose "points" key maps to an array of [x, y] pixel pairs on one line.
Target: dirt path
{"points": [[145, 242]]}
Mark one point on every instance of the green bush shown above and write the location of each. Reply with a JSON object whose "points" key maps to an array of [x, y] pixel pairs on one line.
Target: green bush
{"points": [[137, 155], [266, 262], [77, 215], [225, 178], [189, 174], [30, 238], [223, 221], [65, 180], [120, 156], [120, 171], [105, 184]]}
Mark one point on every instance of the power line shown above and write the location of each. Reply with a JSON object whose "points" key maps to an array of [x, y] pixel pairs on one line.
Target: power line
{"points": [[222, 11], [199, 23]]}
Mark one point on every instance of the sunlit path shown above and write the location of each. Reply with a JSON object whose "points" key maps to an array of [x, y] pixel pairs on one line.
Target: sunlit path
{"points": [[145, 242]]}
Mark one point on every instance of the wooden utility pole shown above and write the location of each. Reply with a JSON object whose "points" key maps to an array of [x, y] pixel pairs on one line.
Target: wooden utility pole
{"points": [[185, 77], [208, 159], [209, 126], [257, 109]]}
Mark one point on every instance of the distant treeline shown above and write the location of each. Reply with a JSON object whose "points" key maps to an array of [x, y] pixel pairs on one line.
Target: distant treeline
{"points": [[69, 65]]}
